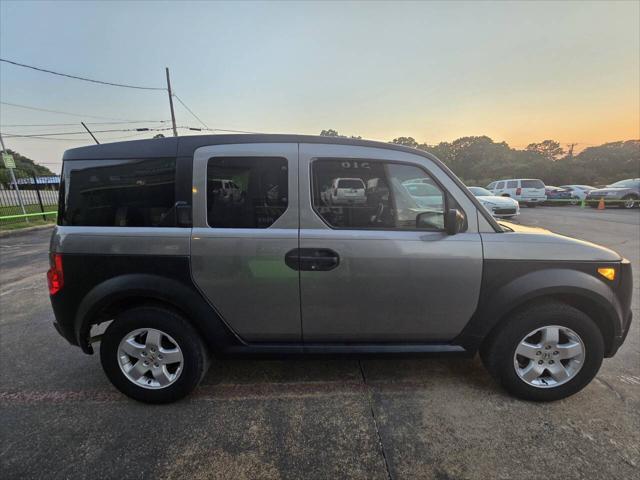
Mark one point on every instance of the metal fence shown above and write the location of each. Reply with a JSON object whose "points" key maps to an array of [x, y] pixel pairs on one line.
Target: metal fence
{"points": [[36, 201]]}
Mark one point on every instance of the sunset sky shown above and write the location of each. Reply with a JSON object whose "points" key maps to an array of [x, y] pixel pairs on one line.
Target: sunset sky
{"points": [[520, 72]]}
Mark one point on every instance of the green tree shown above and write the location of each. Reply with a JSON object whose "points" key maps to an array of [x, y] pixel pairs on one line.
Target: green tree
{"points": [[24, 167], [330, 133], [549, 149], [406, 141]]}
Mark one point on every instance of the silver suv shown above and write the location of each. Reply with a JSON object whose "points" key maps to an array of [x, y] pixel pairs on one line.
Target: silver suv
{"points": [[150, 259]]}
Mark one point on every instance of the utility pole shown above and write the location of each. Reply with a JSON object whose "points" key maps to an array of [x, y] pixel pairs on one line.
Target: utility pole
{"points": [[13, 179], [173, 115], [90, 133]]}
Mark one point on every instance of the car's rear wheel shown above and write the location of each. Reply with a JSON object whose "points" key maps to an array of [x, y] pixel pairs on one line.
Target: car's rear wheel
{"points": [[153, 354], [531, 204], [546, 352]]}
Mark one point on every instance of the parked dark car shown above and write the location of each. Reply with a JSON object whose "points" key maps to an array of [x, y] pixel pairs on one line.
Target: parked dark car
{"points": [[623, 194], [559, 196]]}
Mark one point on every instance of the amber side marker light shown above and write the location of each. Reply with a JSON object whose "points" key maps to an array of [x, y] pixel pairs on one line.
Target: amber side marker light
{"points": [[607, 272]]}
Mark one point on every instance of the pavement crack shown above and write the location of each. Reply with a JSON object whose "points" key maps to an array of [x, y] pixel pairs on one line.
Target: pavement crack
{"points": [[610, 387], [375, 421]]}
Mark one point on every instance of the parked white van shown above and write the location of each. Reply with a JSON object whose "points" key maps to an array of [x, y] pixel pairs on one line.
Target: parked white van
{"points": [[529, 191]]}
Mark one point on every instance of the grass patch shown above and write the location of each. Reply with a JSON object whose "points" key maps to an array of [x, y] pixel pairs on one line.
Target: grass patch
{"points": [[17, 223], [16, 210], [33, 222]]}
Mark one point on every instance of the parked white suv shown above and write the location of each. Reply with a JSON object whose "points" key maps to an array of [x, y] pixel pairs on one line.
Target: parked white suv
{"points": [[529, 191], [345, 191]]}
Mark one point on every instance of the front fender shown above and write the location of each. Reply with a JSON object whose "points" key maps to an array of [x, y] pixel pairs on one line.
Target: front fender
{"points": [[508, 286]]}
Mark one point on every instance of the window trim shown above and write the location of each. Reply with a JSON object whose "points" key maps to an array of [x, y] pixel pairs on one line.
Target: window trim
{"points": [[446, 194], [206, 195]]}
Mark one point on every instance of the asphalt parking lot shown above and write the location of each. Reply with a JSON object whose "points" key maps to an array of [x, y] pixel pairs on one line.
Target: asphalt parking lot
{"points": [[315, 418]]}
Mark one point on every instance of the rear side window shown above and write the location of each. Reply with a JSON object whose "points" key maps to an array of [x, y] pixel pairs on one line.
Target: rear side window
{"points": [[118, 193], [531, 184], [512, 184], [246, 192]]}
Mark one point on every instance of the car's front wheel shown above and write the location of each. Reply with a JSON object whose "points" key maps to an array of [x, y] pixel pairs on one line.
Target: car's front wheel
{"points": [[153, 355], [628, 202], [546, 352]]}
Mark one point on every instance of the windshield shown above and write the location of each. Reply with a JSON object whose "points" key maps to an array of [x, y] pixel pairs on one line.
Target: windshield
{"points": [[351, 183], [480, 192], [630, 183]]}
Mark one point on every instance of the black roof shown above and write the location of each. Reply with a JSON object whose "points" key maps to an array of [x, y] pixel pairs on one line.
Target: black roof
{"points": [[185, 146]]}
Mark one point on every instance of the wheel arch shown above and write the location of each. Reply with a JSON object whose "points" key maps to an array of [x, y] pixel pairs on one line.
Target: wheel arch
{"points": [[117, 294]]}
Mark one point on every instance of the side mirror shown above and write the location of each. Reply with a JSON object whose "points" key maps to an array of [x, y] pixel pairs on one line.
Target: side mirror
{"points": [[454, 221]]}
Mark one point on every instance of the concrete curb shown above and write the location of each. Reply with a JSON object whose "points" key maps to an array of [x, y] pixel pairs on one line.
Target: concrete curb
{"points": [[14, 233]]}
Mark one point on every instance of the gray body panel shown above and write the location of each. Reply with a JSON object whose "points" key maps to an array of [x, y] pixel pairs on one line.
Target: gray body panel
{"points": [[121, 240], [529, 243], [390, 285], [242, 271]]}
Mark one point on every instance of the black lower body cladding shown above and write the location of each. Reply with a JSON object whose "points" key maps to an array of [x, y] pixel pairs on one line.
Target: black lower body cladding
{"points": [[96, 287], [508, 285]]}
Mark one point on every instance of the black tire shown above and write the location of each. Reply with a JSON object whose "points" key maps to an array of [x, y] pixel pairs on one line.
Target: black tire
{"points": [[531, 204], [195, 355], [498, 350]]}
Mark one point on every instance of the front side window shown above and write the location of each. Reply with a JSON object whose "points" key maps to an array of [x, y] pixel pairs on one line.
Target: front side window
{"points": [[246, 192], [500, 185], [118, 193], [362, 194]]}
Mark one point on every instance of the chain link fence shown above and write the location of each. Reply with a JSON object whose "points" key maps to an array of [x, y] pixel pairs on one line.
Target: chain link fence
{"points": [[37, 201]]}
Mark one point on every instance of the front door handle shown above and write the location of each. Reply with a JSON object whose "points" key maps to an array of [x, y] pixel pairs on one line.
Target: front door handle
{"points": [[312, 259]]}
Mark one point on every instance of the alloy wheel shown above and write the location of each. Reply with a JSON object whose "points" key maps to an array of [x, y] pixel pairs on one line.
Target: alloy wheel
{"points": [[150, 358], [549, 356]]}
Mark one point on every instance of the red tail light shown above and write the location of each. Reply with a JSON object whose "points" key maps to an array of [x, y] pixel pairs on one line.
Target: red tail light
{"points": [[518, 191], [55, 277]]}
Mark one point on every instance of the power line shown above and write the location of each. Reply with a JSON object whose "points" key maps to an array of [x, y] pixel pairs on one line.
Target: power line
{"points": [[83, 140], [191, 112], [45, 134], [74, 124], [69, 113], [80, 78]]}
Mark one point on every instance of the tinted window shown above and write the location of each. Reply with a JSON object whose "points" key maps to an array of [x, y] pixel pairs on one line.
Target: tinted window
{"points": [[249, 192], [500, 185], [394, 196], [531, 184], [512, 184], [118, 193], [350, 184]]}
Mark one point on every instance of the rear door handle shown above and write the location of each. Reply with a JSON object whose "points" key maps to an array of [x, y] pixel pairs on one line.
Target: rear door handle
{"points": [[312, 259]]}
